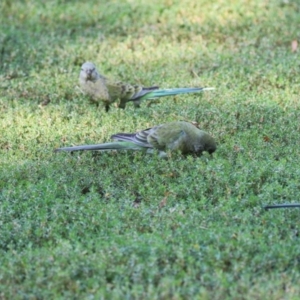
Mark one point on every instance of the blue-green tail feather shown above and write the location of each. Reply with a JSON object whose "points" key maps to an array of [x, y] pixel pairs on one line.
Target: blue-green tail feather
{"points": [[103, 147], [170, 92]]}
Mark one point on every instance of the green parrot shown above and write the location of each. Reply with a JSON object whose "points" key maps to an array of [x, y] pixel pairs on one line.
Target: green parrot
{"points": [[175, 136], [100, 88]]}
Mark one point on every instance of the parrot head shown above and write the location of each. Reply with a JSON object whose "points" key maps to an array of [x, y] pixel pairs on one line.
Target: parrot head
{"points": [[89, 72]]}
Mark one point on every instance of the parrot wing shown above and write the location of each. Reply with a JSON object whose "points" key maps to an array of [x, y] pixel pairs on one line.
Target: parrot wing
{"points": [[139, 138], [121, 90], [167, 137], [144, 91]]}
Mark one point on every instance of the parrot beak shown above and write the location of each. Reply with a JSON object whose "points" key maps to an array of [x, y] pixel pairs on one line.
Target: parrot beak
{"points": [[88, 74]]}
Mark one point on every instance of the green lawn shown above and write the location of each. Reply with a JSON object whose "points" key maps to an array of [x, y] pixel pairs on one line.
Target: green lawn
{"points": [[131, 225]]}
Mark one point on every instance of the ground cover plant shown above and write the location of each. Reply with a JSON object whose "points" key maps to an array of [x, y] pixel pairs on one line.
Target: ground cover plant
{"points": [[131, 225]]}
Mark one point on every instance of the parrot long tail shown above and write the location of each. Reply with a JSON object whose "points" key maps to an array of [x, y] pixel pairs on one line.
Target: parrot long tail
{"points": [[170, 92], [103, 147], [282, 205]]}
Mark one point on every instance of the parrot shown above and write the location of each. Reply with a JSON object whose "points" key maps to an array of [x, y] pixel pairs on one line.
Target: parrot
{"points": [[174, 136], [100, 88]]}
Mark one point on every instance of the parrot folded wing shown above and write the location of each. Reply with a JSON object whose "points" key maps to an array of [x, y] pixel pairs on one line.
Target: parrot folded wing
{"points": [[166, 137], [139, 138], [144, 91]]}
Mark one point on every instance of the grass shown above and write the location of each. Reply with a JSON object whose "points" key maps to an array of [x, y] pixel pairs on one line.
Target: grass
{"points": [[130, 225]]}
